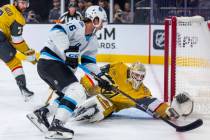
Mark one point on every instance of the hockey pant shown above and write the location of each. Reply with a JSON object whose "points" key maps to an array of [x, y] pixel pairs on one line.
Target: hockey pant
{"points": [[60, 78]]}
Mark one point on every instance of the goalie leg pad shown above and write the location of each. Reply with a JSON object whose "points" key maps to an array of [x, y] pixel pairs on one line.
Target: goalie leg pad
{"points": [[94, 109]]}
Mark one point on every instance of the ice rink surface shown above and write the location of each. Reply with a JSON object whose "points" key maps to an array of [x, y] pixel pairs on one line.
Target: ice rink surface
{"points": [[129, 124]]}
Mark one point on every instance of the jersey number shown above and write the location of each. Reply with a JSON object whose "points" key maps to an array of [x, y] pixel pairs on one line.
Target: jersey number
{"points": [[72, 27], [8, 11], [20, 30]]}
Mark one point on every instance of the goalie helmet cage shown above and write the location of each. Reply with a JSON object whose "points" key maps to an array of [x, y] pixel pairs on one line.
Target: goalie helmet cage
{"points": [[187, 60]]}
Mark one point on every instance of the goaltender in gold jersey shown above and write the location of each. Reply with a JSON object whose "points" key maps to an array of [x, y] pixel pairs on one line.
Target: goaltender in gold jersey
{"points": [[129, 80], [11, 41]]}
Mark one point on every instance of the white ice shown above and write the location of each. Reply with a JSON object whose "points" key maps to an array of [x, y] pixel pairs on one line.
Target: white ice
{"points": [[130, 124]]}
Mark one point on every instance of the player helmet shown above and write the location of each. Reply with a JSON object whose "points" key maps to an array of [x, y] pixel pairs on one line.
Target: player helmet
{"points": [[137, 73], [96, 12]]}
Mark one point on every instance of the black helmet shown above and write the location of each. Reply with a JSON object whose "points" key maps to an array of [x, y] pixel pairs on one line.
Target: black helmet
{"points": [[72, 4]]}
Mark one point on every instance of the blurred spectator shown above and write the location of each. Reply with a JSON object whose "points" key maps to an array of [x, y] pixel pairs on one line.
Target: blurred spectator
{"points": [[116, 8], [71, 14], [204, 9], [179, 3], [144, 3], [3, 2], [166, 3], [192, 3], [117, 14], [142, 15], [204, 4], [55, 11], [87, 3], [128, 16], [32, 17], [75, 1], [81, 7], [104, 4]]}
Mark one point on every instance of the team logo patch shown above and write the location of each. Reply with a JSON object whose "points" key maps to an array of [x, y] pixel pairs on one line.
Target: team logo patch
{"points": [[1, 12]]}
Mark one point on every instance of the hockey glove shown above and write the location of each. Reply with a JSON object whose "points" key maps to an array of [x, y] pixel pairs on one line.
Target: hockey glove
{"points": [[30, 56], [94, 109], [72, 56], [104, 82], [183, 104]]}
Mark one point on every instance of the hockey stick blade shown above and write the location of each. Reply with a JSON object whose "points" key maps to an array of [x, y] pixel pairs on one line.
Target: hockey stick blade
{"points": [[187, 127], [190, 126]]}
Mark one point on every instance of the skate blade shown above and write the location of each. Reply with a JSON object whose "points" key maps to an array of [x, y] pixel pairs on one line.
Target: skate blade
{"points": [[58, 135], [33, 118]]}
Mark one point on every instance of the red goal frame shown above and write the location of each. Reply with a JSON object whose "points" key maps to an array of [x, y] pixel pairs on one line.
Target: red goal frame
{"points": [[170, 31]]}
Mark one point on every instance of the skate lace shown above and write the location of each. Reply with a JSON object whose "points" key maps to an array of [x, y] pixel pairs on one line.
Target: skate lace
{"points": [[58, 123]]}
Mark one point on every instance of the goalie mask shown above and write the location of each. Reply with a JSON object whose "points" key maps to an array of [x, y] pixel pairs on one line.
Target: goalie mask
{"points": [[96, 13], [137, 74]]}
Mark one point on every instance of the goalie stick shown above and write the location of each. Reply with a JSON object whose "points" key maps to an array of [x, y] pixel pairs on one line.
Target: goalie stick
{"points": [[193, 125]]}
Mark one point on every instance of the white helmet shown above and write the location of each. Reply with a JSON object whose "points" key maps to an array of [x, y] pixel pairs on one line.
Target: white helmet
{"points": [[94, 12], [137, 73]]}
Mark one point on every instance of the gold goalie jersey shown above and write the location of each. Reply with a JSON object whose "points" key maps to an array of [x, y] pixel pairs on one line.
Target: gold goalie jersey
{"points": [[118, 73], [11, 24]]}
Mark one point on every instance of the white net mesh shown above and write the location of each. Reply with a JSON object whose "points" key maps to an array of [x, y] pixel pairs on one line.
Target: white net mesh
{"points": [[193, 61]]}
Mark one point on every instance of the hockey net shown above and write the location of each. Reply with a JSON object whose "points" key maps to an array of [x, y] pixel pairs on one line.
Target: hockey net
{"points": [[187, 61]]}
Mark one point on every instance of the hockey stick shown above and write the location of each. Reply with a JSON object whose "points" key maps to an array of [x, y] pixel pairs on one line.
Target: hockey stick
{"points": [[144, 108], [50, 96]]}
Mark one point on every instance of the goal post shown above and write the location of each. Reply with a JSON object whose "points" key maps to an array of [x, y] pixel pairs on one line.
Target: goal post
{"points": [[187, 60]]}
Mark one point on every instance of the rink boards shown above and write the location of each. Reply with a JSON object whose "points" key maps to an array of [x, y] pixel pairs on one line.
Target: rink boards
{"points": [[127, 43]]}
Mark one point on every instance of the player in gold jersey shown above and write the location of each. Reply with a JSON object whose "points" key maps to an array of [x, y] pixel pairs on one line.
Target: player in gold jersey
{"points": [[129, 80], [11, 41]]}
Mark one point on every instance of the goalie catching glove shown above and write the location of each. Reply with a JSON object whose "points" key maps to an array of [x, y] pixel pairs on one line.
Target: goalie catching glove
{"points": [[183, 104], [30, 56], [94, 109]]}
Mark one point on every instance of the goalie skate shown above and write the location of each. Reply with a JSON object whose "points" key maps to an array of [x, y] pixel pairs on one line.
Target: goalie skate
{"points": [[38, 121]]}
